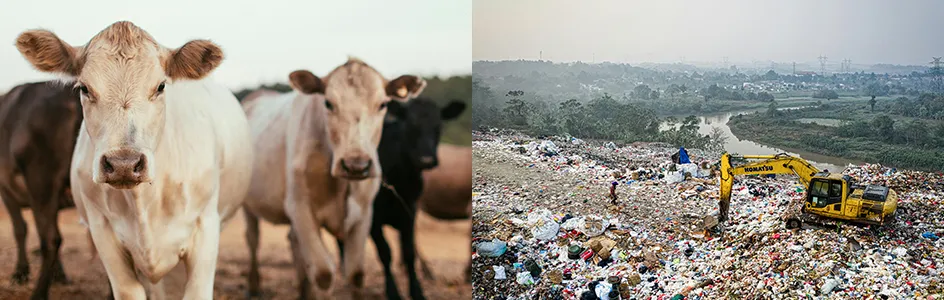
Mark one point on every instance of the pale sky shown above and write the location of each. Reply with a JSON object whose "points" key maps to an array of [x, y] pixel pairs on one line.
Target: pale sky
{"points": [[263, 40], [864, 31]]}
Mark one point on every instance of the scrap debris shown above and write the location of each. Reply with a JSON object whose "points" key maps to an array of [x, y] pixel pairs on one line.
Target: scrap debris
{"points": [[543, 229]]}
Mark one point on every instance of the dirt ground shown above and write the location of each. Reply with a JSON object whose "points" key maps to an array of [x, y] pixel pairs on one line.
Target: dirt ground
{"points": [[445, 245]]}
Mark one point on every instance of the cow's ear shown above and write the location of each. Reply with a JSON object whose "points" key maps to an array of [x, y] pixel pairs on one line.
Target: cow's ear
{"points": [[405, 87], [47, 53], [305, 82], [194, 60], [396, 110], [453, 110]]}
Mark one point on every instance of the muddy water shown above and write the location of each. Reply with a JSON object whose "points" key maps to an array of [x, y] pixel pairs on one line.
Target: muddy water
{"points": [[747, 147]]}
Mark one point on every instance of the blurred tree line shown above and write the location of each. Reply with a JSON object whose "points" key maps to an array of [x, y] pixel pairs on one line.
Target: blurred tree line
{"points": [[602, 117], [441, 90]]}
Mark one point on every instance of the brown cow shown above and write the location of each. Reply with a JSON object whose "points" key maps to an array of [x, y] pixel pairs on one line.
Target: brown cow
{"points": [[447, 192], [39, 123], [316, 167]]}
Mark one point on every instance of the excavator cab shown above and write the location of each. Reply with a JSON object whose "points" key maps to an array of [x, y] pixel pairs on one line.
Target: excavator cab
{"points": [[825, 194]]}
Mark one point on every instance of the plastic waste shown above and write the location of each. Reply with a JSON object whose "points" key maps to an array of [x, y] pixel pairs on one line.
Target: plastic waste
{"points": [[524, 278], [603, 290], [499, 272], [494, 248], [829, 285]]}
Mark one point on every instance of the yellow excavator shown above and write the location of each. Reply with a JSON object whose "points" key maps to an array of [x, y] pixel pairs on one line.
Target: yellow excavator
{"points": [[827, 195]]}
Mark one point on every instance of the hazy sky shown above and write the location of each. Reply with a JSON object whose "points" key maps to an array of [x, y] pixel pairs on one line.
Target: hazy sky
{"points": [[263, 40], [864, 31]]}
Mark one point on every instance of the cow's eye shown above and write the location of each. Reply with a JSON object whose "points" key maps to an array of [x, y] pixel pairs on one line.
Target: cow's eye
{"points": [[160, 88], [328, 105], [84, 90], [383, 105]]}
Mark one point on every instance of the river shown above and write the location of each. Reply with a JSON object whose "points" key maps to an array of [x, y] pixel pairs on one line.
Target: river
{"points": [[747, 147]]}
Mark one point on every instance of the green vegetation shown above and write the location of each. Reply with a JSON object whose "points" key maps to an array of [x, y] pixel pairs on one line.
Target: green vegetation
{"points": [[600, 118], [899, 132], [457, 132]]}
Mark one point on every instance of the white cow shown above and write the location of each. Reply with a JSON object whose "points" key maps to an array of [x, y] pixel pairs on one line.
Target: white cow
{"points": [[163, 156], [316, 167]]}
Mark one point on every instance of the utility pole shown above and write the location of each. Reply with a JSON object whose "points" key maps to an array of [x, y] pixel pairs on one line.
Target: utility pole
{"points": [[794, 68], [822, 64], [847, 65]]}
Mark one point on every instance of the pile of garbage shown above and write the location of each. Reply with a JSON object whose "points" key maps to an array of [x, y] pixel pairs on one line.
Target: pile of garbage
{"points": [[545, 226]]}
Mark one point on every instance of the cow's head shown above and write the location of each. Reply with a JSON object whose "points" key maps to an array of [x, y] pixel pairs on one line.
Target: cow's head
{"points": [[123, 76], [355, 99], [413, 129]]}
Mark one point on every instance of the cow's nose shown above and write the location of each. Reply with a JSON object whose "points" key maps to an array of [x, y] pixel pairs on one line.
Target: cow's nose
{"points": [[124, 168], [428, 161], [356, 166]]}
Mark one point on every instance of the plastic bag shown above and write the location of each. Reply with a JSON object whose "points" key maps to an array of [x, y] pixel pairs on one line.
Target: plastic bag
{"points": [[494, 248], [524, 278]]}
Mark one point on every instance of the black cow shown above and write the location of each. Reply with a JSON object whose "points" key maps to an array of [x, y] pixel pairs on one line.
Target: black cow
{"points": [[39, 124], [407, 147]]}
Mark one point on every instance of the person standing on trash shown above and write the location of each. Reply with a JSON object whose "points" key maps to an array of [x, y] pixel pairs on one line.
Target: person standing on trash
{"points": [[613, 193]]}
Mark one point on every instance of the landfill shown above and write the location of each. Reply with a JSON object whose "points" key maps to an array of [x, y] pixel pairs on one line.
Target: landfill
{"points": [[544, 227]]}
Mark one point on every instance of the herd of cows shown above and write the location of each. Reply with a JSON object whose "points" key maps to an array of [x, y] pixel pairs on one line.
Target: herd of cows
{"points": [[156, 159]]}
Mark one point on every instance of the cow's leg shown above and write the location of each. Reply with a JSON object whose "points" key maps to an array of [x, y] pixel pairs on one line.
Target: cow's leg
{"points": [[155, 290], [21, 272], [383, 252], [340, 253], [121, 275], [408, 250], [252, 239], [45, 204], [304, 286], [317, 258], [201, 261], [356, 239]]}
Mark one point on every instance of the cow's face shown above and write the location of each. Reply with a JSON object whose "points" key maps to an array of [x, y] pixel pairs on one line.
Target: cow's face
{"points": [[355, 98], [123, 77], [418, 126]]}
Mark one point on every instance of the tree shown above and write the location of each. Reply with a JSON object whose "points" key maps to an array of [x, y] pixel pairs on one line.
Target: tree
{"points": [[654, 95], [765, 96], [772, 110], [876, 89], [516, 109], [915, 133], [771, 75], [872, 103], [642, 91], [884, 126], [672, 90], [826, 94]]}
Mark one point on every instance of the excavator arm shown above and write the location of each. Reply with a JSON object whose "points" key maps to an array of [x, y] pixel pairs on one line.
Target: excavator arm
{"points": [[770, 164]]}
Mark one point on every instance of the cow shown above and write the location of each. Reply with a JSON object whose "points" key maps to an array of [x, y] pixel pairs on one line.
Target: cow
{"points": [[38, 126], [447, 191], [448, 188], [163, 155], [316, 167], [408, 146]]}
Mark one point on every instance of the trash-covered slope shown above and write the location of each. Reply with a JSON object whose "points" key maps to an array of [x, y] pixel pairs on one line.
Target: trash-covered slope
{"points": [[544, 228]]}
